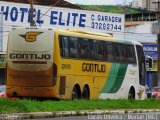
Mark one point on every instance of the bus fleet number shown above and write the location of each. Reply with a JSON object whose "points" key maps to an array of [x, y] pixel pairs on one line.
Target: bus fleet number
{"points": [[66, 66]]}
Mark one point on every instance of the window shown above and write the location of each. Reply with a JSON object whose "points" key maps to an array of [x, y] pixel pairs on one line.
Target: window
{"points": [[99, 50], [84, 48], [108, 51], [123, 52], [117, 52], [141, 63], [130, 54], [93, 49], [140, 53], [73, 47], [64, 46]]}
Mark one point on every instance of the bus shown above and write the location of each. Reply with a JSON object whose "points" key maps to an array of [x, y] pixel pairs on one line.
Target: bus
{"points": [[73, 64], [2, 67]]}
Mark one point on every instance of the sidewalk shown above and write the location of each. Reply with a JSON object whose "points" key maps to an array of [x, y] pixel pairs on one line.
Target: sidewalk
{"points": [[36, 115]]}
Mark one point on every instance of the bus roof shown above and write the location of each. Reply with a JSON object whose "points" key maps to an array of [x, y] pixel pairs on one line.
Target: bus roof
{"points": [[100, 35], [84, 32], [91, 33]]}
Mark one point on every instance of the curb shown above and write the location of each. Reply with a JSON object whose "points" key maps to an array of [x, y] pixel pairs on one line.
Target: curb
{"points": [[36, 115]]}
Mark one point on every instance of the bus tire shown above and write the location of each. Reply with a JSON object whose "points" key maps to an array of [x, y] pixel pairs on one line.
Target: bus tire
{"points": [[131, 94], [76, 93], [85, 93]]}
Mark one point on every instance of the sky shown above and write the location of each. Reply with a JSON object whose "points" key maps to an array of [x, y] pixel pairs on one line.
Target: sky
{"points": [[99, 2]]}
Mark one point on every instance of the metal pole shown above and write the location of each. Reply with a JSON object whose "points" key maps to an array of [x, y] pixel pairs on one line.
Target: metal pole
{"points": [[31, 13]]}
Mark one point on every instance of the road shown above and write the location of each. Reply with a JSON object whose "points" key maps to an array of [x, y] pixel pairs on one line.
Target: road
{"points": [[66, 118], [130, 116]]}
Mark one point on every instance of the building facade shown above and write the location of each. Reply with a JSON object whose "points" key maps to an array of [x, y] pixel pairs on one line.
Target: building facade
{"points": [[145, 4], [138, 4]]}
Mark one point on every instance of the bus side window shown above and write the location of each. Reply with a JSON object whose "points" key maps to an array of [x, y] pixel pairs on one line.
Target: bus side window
{"points": [[63, 46], [108, 51], [130, 54], [117, 52], [84, 48], [100, 50], [123, 54], [93, 49], [73, 47], [90, 42], [105, 51]]}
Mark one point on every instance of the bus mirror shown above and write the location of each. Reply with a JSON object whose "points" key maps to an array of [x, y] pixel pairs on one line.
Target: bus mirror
{"points": [[149, 62]]}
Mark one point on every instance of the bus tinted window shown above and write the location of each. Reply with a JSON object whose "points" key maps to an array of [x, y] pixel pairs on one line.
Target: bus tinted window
{"points": [[73, 47], [141, 63], [130, 54], [93, 49], [108, 51], [123, 53], [84, 48], [99, 50], [64, 46], [117, 52]]}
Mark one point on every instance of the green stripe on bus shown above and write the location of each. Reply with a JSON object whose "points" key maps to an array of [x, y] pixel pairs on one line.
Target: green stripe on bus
{"points": [[115, 78]]}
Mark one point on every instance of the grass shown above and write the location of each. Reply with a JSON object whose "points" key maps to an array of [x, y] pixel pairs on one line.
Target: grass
{"points": [[20, 106], [112, 9]]}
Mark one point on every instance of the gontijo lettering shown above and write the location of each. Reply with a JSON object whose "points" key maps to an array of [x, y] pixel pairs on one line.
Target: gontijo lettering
{"points": [[29, 56], [90, 67]]}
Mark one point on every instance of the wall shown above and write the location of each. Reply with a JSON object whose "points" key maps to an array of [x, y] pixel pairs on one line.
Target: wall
{"points": [[141, 33], [145, 4], [137, 3], [152, 6]]}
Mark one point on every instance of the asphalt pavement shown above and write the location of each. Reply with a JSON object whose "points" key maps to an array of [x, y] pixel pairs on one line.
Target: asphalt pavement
{"points": [[38, 115]]}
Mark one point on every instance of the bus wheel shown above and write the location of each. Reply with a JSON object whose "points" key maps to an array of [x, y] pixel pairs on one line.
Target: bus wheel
{"points": [[75, 93], [85, 93], [131, 94]]}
